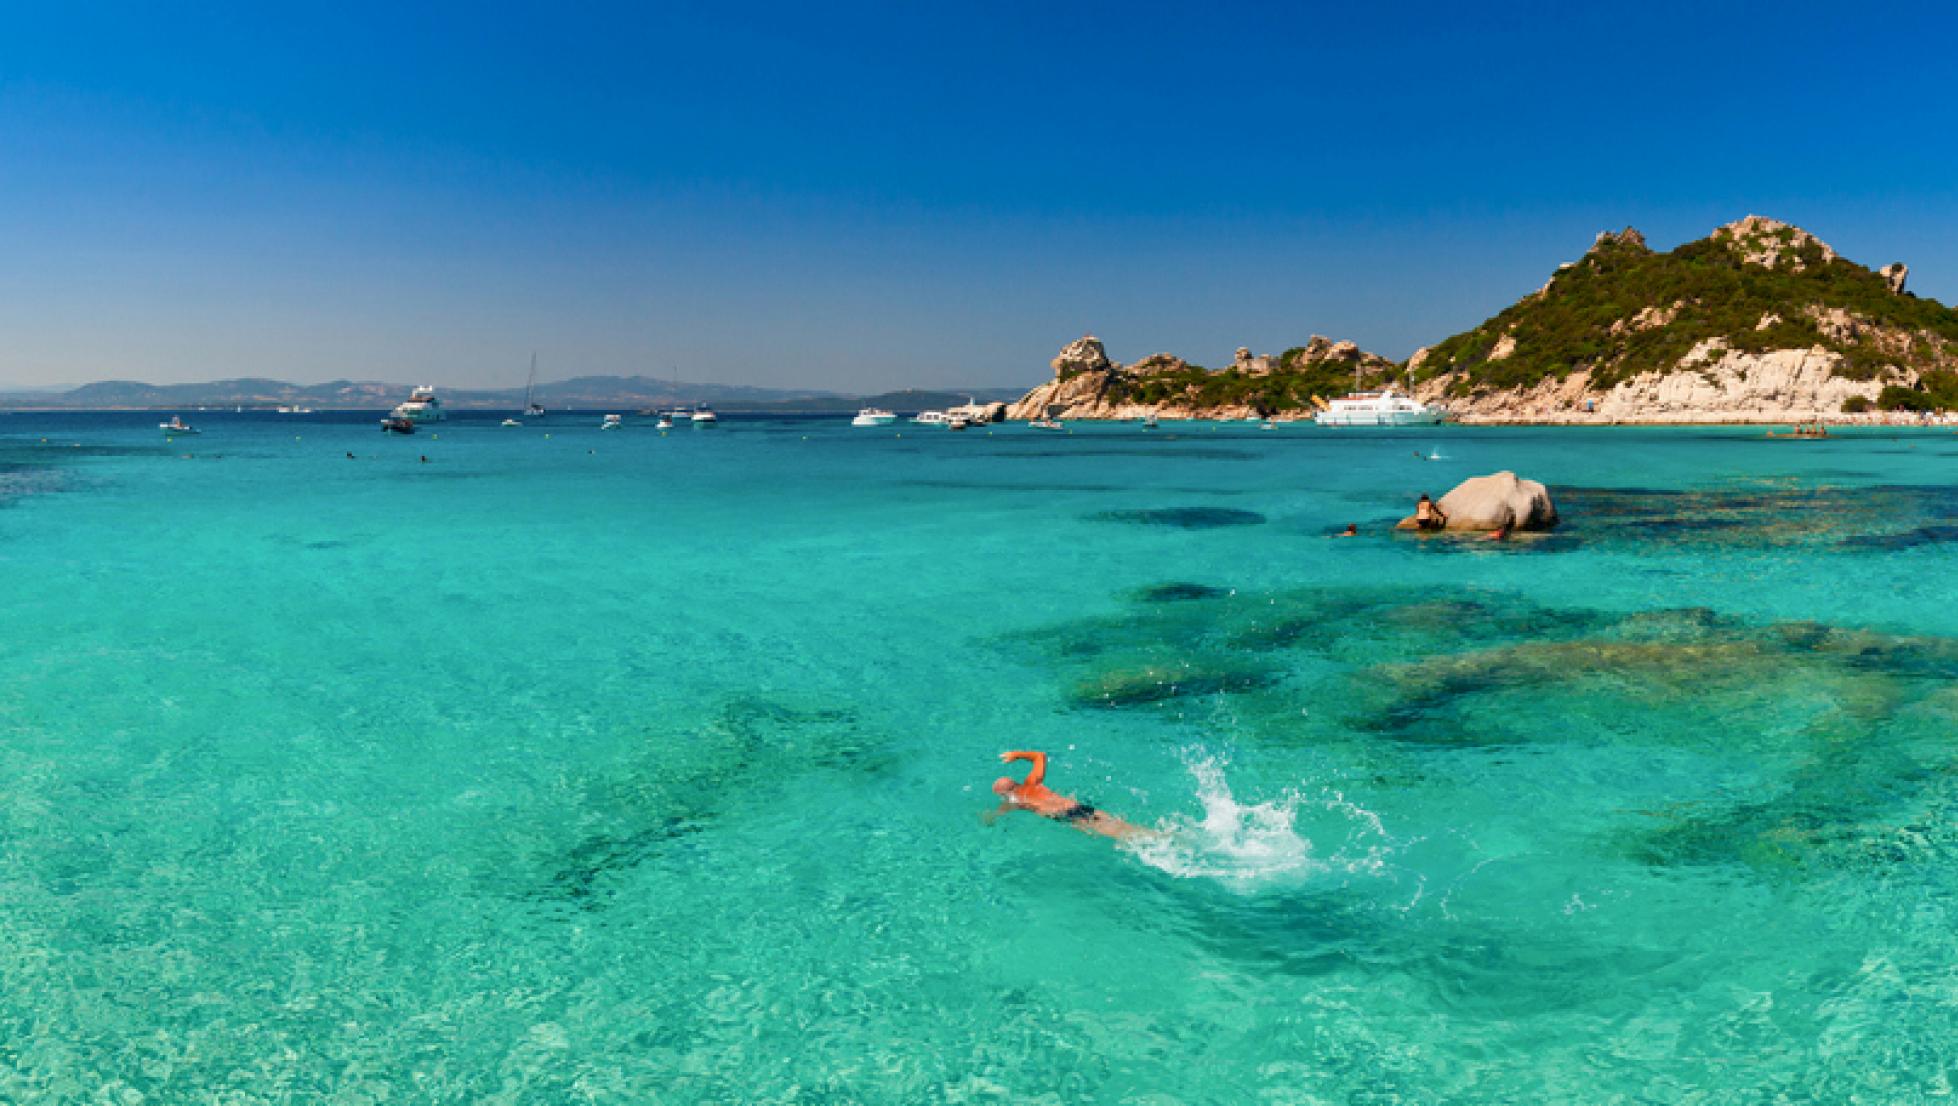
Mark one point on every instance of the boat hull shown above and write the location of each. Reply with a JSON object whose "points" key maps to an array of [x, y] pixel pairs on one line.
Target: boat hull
{"points": [[1382, 418]]}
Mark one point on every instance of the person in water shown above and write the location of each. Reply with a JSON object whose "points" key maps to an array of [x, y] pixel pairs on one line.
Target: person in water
{"points": [[1427, 516], [1033, 794], [1352, 531]]}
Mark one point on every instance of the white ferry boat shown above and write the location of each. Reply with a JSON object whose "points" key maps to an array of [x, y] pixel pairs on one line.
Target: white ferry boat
{"points": [[930, 418], [1382, 408], [874, 416], [421, 406]]}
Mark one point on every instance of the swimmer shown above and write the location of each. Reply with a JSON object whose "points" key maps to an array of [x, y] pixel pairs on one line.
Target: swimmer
{"points": [[1035, 796], [424, 458], [1352, 531], [1427, 514]]}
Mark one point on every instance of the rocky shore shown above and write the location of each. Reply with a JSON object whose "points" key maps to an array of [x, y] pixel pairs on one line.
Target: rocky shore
{"points": [[1760, 322]]}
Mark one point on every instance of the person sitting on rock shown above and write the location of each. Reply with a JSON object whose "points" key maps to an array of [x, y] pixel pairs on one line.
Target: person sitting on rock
{"points": [[1033, 795], [1427, 516], [1500, 533]]}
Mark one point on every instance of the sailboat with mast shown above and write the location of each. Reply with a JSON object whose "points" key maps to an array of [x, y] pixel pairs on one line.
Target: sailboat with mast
{"points": [[531, 408]]}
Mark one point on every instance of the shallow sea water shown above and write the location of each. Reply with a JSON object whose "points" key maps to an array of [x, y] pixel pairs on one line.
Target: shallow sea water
{"points": [[623, 767]]}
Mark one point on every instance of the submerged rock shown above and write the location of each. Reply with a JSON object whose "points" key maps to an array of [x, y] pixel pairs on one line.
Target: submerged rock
{"points": [[1185, 518], [1488, 502], [1178, 592]]}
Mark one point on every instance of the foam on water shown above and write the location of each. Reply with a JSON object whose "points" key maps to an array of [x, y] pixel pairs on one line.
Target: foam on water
{"points": [[1252, 845]]}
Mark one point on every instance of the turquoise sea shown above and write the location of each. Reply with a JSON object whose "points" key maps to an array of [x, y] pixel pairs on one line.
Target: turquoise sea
{"points": [[635, 767]]}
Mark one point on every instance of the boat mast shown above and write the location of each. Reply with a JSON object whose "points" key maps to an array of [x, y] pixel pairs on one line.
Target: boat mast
{"points": [[530, 382]]}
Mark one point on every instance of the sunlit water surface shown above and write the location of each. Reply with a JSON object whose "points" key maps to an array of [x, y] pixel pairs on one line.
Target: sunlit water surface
{"points": [[619, 767]]}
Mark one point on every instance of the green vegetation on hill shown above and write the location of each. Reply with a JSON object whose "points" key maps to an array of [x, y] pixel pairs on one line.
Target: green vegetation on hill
{"points": [[1589, 315], [1290, 385]]}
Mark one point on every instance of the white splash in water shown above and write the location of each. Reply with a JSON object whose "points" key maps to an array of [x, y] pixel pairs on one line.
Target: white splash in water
{"points": [[1259, 844]]}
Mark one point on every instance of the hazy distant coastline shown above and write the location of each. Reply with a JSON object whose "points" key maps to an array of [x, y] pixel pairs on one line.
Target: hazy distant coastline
{"points": [[578, 392]]}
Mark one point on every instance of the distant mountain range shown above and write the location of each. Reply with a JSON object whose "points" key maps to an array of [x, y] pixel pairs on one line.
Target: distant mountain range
{"points": [[578, 392]]}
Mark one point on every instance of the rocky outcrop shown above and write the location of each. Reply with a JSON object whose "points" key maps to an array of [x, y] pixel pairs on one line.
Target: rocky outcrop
{"points": [[1088, 385], [1490, 502], [1083, 355], [1894, 275], [1770, 242]]}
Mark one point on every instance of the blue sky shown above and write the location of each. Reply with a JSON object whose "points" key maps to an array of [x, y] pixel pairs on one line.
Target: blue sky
{"points": [[859, 196]]}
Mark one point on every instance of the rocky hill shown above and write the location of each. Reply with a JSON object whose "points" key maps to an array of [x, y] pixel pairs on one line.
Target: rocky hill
{"points": [[1087, 385], [1758, 322]]}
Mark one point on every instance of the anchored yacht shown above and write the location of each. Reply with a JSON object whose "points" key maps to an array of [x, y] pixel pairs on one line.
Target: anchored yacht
{"points": [[873, 416], [1382, 408], [421, 406]]}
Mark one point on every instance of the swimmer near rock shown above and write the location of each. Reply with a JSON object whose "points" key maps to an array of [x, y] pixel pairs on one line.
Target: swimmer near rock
{"points": [[1034, 796]]}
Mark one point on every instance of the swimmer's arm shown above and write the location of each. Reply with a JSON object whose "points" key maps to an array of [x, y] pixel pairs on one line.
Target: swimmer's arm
{"points": [[1039, 760]]}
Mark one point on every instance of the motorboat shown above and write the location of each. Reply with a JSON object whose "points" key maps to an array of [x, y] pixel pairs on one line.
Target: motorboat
{"points": [[873, 416], [1150, 423], [665, 422], [177, 426], [930, 418], [703, 418], [511, 422], [392, 425], [1045, 424], [421, 406], [957, 422], [1383, 408], [612, 422]]}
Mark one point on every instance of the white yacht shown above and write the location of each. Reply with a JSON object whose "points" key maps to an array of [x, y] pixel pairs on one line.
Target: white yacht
{"points": [[930, 418], [703, 418], [665, 422], [873, 416], [177, 426], [1382, 408], [1046, 424], [612, 422], [511, 422], [421, 406]]}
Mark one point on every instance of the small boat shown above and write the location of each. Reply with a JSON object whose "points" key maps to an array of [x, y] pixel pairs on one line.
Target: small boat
{"points": [[612, 422], [666, 422], [1045, 424], [511, 422], [1150, 423], [295, 409], [1269, 424], [392, 425], [930, 418], [177, 426], [957, 422], [873, 416], [703, 418]]}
